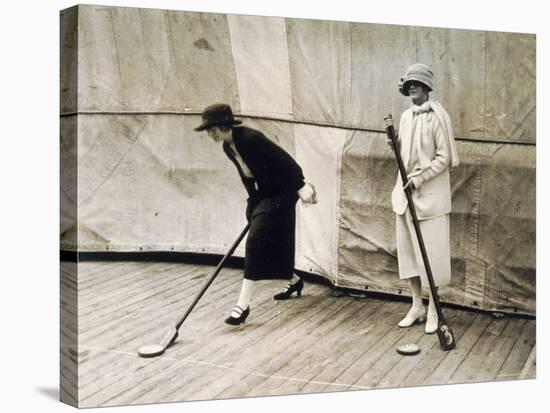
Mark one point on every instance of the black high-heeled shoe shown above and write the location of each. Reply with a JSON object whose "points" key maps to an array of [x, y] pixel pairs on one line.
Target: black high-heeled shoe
{"points": [[290, 288], [235, 321]]}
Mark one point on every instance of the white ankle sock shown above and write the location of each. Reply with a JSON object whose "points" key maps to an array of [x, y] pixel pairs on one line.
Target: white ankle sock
{"points": [[244, 297]]}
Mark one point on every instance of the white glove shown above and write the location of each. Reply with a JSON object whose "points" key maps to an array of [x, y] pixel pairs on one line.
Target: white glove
{"points": [[414, 180], [307, 194]]}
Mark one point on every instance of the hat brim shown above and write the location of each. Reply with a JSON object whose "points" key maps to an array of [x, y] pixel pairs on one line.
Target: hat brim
{"points": [[207, 125]]}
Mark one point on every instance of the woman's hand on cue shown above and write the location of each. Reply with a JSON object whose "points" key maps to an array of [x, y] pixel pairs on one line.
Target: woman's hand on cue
{"points": [[413, 181], [307, 194], [388, 121], [410, 184]]}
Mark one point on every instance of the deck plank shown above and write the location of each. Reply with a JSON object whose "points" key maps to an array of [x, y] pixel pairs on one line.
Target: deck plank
{"points": [[493, 361], [429, 352], [298, 347], [187, 348], [268, 336], [515, 362], [345, 349], [131, 288], [138, 331], [529, 370], [93, 275], [146, 312], [215, 347], [381, 340], [382, 363], [317, 343], [470, 368], [432, 357], [317, 367], [452, 360]]}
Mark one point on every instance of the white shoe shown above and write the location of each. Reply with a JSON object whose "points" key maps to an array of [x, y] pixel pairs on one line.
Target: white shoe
{"points": [[415, 315], [431, 323]]}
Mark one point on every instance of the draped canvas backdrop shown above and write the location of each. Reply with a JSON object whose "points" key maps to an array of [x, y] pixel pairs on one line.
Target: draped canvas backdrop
{"points": [[135, 176]]}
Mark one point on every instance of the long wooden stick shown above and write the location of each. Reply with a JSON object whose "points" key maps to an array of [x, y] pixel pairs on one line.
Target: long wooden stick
{"points": [[172, 333], [444, 332], [171, 336], [214, 275]]}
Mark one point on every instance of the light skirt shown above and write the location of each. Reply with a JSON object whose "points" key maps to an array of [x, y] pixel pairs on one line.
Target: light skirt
{"points": [[435, 233]]}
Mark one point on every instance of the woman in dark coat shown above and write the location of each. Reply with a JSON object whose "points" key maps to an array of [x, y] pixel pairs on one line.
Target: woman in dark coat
{"points": [[274, 182]]}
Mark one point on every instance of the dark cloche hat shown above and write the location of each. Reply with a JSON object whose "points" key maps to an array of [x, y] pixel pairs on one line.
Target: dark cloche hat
{"points": [[218, 114]]}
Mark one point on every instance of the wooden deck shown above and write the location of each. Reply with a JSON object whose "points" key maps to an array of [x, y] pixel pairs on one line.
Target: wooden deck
{"points": [[318, 343]]}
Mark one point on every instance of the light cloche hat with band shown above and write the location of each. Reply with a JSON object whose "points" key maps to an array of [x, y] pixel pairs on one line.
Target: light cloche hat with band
{"points": [[418, 72]]}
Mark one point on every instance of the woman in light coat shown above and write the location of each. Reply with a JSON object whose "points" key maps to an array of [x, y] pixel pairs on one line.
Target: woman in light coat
{"points": [[428, 150]]}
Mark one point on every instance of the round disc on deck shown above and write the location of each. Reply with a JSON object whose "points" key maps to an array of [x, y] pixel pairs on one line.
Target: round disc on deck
{"points": [[151, 350], [408, 349]]}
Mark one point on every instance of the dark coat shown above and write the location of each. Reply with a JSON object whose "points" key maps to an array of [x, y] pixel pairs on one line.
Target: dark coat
{"points": [[277, 176], [271, 203]]}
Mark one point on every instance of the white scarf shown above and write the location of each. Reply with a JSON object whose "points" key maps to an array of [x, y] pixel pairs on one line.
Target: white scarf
{"points": [[445, 121]]}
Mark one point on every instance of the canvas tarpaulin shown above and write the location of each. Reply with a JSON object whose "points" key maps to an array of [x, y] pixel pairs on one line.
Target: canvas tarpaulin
{"points": [[263, 70], [141, 179]]}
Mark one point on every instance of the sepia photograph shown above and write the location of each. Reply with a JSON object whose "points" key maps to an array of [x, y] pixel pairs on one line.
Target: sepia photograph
{"points": [[270, 206], [274, 206]]}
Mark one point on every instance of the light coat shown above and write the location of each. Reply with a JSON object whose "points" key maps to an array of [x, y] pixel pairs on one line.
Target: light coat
{"points": [[428, 150], [427, 154]]}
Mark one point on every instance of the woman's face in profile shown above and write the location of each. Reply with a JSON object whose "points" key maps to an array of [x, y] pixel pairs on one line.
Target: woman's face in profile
{"points": [[218, 134], [417, 91]]}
